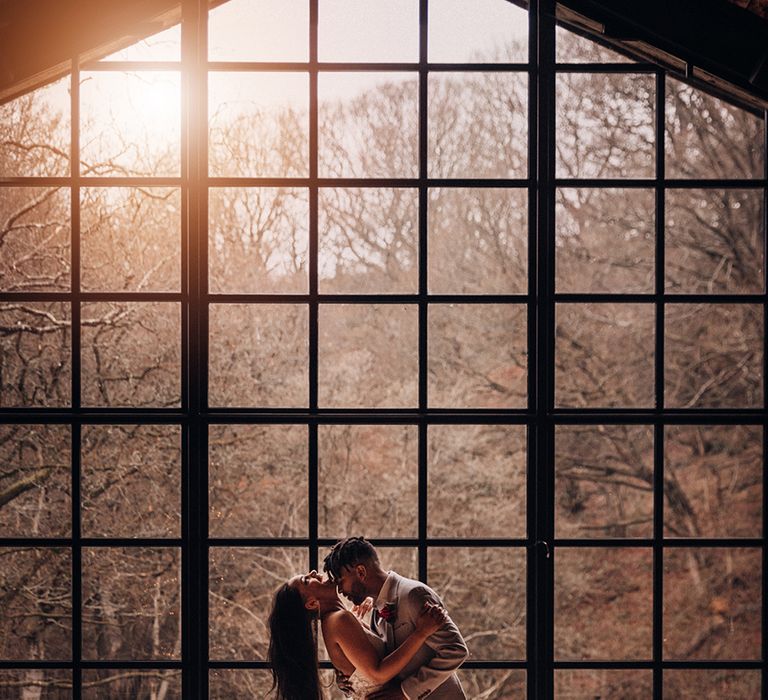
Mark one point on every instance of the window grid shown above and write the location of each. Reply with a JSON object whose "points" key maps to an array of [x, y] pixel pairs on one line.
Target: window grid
{"points": [[541, 417]]}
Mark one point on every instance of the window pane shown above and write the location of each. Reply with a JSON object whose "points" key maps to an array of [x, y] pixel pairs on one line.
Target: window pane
{"points": [[131, 683], [487, 31], [367, 480], [478, 125], [35, 480], [368, 31], [368, 124], [258, 480], [227, 684], [494, 624], [258, 240], [131, 354], [368, 355], [713, 355], [42, 683], [131, 239], [258, 124], [572, 48], [36, 597], [35, 354], [258, 355], [603, 603], [267, 30], [130, 123], [712, 603], [131, 603], [706, 137], [36, 138], [588, 684], [715, 241], [605, 125], [605, 240], [478, 241], [35, 231], [242, 581], [476, 471], [161, 46], [604, 355], [710, 684], [604, 481], [131, 481], [713, 484], [478, 355], [368, 241]]}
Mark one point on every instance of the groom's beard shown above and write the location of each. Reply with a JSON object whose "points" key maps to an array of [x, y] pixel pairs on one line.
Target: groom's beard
{"points": [[357, 593]]}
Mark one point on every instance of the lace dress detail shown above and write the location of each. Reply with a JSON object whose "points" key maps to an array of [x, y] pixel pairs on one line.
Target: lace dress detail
{"points": [[362, 686]]}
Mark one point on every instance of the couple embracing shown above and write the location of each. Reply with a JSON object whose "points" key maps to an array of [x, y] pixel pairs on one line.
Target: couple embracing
{"points": [[411, 648]]}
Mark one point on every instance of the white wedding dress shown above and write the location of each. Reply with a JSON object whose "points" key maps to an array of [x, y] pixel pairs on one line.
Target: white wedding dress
{"points": [[361, 685]]}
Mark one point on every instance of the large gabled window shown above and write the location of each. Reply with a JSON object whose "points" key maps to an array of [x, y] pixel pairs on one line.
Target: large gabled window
{"points": [[478, 287]]}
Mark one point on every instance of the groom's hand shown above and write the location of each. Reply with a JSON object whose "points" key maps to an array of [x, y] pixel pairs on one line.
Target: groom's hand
{"points": [[391, 692], [342, 683]]}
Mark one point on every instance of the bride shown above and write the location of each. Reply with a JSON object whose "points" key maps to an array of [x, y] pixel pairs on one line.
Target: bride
{"points": [[354, 650]]}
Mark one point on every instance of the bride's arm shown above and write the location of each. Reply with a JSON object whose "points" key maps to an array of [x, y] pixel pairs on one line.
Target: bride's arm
{"points": [[353, 641]]}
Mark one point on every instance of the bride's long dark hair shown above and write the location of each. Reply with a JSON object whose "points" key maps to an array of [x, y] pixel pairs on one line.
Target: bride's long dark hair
{"points": [[292, 648]]}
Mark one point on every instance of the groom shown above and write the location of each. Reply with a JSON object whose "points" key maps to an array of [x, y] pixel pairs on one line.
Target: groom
{"points": [[354, 565]]}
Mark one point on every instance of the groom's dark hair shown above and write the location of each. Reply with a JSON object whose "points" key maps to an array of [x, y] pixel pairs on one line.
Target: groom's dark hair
{"points": [[348, 552]]}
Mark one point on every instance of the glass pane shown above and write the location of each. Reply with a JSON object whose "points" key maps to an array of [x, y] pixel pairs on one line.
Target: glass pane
{"points": [[130, 239], [36, 599], [131, 354], [35, 231], [240, 684], [161, 46], [469, 581], [35, 354], [712, 603], [368, 355], [605, 125], [242, 581], [368, 240], [37, 683], [478, 355], [258, 240], [605, 240], [604, 481], [265, 30], [130, 123], [131, 603], [475, 471], [589, 684], [131, 481], [368, 124], [258, 124], [478, 240], [496, 684], [706, 137], [603, 603], [604, 355], [131, 683], [478, 125], [713, 481], [711, 684], [368, 31], [258, 480], [486, 31], [713, 355], [572, 48], [258, 355], [715, 241], [374, 465], [36, 133], [35, 480]]}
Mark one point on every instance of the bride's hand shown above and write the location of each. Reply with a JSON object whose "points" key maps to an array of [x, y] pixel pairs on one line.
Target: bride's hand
{"points": [[431, 618], [361, 610]]}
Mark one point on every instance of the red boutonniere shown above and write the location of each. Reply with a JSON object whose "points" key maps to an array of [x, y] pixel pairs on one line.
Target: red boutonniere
{"points": [[387, 612]]}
